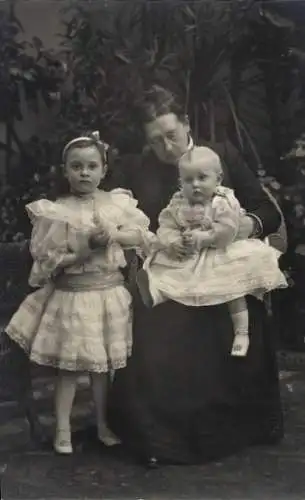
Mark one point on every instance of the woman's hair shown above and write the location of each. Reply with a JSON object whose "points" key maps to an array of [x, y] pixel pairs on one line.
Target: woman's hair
{"points": [[157, 101]]}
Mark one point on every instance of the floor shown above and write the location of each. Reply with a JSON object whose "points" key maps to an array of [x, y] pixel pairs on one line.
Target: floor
{"points": [[94, 473]]}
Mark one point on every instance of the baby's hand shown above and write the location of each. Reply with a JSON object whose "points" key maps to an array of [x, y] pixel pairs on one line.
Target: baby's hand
{"points": [[206, 224], [195, 238], [183, 247], [151, 243]]}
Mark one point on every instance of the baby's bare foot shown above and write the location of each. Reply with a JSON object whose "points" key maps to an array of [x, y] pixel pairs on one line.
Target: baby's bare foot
{"points": [[143, 286], [240, 345]]}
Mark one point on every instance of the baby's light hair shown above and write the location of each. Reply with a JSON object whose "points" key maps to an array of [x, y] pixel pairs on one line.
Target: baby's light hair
{"points": [[201, 153]]}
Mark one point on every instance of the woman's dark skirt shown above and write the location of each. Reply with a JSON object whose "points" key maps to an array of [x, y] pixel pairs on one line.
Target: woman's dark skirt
{"points": [[183, 398]]}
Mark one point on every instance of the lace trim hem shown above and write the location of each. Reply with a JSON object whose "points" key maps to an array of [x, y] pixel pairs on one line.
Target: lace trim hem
{"points": [[67, 364]]}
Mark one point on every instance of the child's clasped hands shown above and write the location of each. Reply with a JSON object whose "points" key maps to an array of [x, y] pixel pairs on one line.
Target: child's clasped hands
{"points": [[190, 242], [99, 236]]}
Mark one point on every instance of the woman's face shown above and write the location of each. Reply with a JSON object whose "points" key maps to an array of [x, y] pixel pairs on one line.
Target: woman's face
{"points": [[168, 137]]}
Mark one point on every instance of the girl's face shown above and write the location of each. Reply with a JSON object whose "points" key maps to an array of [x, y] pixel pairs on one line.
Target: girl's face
{"points": [[84, 169], [168, 137], [199, 181]]}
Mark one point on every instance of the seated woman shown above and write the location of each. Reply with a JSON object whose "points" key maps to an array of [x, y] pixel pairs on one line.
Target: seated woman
{"points": [[183, 398]]}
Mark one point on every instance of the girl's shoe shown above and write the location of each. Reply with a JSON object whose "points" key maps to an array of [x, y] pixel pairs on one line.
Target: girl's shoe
{"points": [[152, 463], [107, 438], [62, 443]]}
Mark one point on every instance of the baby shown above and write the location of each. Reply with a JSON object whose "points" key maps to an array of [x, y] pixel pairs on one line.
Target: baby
{"points": [[198, 261]]}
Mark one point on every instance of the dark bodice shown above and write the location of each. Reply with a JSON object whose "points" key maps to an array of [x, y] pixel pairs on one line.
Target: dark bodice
{"points": [[152, 182]]}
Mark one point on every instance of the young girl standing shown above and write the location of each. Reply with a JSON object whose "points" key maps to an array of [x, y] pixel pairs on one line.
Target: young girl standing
{"points": [[79, 319], [199, 262]]}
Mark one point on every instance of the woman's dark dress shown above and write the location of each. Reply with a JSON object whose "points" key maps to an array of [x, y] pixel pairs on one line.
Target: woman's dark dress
{"points": [[182, 397]]}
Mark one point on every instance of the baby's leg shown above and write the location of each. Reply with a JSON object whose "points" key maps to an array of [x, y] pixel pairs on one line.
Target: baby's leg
{"points": [[100, 383], [64, 397], [150, 295], [240, 318]]}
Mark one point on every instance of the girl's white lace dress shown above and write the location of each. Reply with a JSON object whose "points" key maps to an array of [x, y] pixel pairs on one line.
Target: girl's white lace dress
{"points": [[80, 318]]}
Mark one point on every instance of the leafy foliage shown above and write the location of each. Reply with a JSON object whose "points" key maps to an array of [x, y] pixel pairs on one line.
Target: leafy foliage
{"points": [[232, 63], [38, 74], [187, 46]]}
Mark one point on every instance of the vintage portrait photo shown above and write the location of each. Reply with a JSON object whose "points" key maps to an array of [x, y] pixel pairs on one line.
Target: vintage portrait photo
{"points": [[152, 249]]}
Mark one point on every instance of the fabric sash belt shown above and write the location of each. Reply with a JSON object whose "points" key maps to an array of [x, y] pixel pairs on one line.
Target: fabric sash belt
{"points": [[88, 281]]}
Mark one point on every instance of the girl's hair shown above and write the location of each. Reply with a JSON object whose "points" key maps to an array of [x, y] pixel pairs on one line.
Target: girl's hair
{"points": [[157, 101], [85, 141], [61, 186]]}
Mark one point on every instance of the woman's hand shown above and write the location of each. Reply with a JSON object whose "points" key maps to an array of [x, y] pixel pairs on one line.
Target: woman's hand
{"points": [[246, 228], [150, 243]]}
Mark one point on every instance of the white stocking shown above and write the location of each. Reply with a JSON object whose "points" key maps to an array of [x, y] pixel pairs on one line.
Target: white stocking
{"points": [[100, 383], [64, 397]]}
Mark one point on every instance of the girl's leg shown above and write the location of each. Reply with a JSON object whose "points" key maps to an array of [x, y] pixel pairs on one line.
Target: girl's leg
{"points": [[100, 383], [64, 397], [240, 318]]}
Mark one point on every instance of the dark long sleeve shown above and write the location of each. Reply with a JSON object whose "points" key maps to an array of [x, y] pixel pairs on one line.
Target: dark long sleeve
{"points": [[249, 191]]}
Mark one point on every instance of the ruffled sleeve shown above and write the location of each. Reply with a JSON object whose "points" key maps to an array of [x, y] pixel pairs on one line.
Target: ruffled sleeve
{"points": [[48, 250], [49, 240], [131, 217], [226, 216], [169, 231], [55, 212]]}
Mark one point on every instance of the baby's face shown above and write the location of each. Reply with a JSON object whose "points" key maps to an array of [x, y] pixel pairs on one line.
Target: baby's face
{"points": [[199, 180]]}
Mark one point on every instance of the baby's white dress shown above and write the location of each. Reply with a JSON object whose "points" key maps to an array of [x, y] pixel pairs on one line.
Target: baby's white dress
{"points": [[214, 275], [80, 318]]}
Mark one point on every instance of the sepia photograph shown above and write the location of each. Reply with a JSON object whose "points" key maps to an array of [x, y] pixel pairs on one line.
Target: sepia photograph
{"points": [[143, 142]]}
